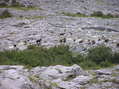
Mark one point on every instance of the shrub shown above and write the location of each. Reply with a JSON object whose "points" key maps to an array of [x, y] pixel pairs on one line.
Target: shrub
{"points": [[4, 3], [61, 55], [78, 59], [5, 14], [97, 57], [100, 54], [97, 14], [101, 15], [74, 14], [87, 64], [115, 58], [38, 56], [105, 64]]}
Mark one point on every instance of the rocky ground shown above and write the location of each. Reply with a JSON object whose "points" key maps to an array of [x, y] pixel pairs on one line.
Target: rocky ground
{"points": [[42, 22], [46, 25], [58, 77]]}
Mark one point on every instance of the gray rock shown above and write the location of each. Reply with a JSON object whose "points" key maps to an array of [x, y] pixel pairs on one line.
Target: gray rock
{"points": [[25, 3], [54, 77], [82, 80], [56, 72], [28, 26], [104, 72], [14, 77]]}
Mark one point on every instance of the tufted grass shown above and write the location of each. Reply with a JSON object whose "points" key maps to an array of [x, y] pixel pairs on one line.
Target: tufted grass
{"points": [[97, 57]]}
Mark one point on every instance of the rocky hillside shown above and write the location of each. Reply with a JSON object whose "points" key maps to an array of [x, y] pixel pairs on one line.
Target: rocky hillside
{"points": [[58, 77], [81, 24]]}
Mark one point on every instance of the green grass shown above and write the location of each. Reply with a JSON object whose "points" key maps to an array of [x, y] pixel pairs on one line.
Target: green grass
{"points": [[97, 14], [97, 57], [35, 17], [25, 8], [37, 56]]}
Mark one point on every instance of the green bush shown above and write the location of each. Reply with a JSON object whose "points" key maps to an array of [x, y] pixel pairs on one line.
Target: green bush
{"points": [[97, 57], [5, 14], [87, 64], [101, 15], [105, 64], [115, 58], [98, 14], [74, 14], [38, 56], [78, 59], [60, 55], [100, 54]]}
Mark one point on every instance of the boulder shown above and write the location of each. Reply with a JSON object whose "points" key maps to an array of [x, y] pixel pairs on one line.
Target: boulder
{"points": [[61, 77], [58, 72], [55, 77], [14, 77]]}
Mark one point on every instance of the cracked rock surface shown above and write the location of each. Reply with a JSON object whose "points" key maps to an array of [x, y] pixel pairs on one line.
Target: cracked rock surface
{"points": [[42, 22], [58, 77]]}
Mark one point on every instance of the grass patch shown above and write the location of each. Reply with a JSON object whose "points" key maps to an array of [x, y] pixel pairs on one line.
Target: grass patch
{"points": [[37, 56], [35, 17], [97, 14], [74, 15], [97, 57]]}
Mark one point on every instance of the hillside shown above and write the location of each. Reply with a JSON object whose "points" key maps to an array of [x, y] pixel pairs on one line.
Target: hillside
{"points": [[44, 44], [80, 24]]}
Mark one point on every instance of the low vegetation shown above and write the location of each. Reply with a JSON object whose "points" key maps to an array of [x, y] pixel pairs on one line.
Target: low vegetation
{"points": [[97, 57], [101, 15], [5, 14], [96, 14]]}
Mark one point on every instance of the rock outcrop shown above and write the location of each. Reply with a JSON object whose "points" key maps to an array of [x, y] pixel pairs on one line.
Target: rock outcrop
{"points": [[58, 77], [25, 3]]}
